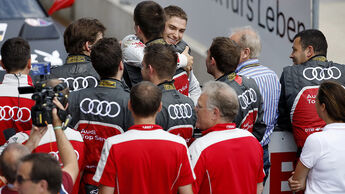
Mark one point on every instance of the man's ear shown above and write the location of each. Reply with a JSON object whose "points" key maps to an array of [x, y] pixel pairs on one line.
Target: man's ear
{"points": [[43, 185], [87, 46], [121, 66], [310, 51], [151, 69], [216, 113], [245, 53], [213, 61]]}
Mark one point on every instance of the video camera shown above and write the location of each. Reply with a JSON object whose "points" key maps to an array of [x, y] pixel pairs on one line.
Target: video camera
{"points": [[41, 112]]}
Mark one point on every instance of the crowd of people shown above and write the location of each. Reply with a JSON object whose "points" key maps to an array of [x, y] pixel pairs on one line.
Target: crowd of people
{"points": [[127, 119]]}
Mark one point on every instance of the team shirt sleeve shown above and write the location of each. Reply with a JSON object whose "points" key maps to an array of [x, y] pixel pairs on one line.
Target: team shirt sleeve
{"points": [[311, 151], [106, 171], [199, 167]]}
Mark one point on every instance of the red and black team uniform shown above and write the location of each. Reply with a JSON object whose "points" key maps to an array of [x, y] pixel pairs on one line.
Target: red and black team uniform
{"points": [[99, 113], [145, 159], [178, 114], [15, 108], [299, 87], [48, 145], [250, 112], [227, 160]]}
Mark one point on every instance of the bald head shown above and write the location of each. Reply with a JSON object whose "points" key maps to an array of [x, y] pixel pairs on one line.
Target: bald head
{"points": [[247, 38], [10, 158]]}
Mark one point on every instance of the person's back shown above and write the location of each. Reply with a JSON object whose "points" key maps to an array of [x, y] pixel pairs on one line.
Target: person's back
{"points": [[249, 116], [15, 108], [177, 115], [148, 157], [145, 159], [236, 172], [221, 62], [299, 89], [101, 112], [79, 37], [300, 84], [226, 159]]}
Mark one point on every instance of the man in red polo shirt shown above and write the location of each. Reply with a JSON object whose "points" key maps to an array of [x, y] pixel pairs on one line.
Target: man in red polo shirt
{"points": [[145, 159], [226, 159]]}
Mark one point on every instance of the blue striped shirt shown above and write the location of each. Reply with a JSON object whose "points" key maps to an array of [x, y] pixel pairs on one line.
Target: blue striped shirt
{"points": [[269, 86]]}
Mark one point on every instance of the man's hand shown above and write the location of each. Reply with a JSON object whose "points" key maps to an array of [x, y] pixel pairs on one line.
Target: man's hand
{"points": [[56, 120], [35, 137], [294, 184], [190, 61]]}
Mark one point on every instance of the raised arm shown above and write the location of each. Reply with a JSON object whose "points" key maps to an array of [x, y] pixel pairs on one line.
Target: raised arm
{"points": [[66, 151]]}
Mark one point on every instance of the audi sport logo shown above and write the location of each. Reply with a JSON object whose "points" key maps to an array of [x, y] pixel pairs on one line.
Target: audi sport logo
{"points": [[319, 73], [101, 108], [22, 114], [246, 98], [78, 83], [180, 111]]}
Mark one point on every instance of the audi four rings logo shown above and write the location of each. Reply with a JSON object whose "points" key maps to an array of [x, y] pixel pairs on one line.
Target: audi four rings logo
{"points": [[320, 73], [80, 82], [246, 98], [180, 111], [8, 113], [101, 108]]}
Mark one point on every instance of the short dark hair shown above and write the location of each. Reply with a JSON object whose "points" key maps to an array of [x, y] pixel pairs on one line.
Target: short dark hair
{"points": [[106, 56], [162, 58], [45, 167], [226, 54], [332, 95], [314, 38], [81, 31], [15, 53], [149, 16], [145, 98], [175, 11]]}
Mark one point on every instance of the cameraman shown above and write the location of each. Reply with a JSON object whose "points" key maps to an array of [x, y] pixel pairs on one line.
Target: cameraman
{"points": [[15, 108], [42, 139]]}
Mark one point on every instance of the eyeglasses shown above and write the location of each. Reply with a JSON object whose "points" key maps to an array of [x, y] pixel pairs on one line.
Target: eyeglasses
{"points": [[20, 179]]}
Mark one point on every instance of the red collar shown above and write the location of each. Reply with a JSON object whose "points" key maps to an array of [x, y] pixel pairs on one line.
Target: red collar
{"points": [[220, 127], [145, 127]]}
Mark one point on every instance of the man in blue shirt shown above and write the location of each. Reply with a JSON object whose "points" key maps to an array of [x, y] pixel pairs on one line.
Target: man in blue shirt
{"points": [[266, 79]]}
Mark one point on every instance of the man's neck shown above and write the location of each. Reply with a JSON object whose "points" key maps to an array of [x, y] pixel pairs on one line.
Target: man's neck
{"points": [[217, 74], [20, 72], [144, 121], [156, 81], [86, 53]]}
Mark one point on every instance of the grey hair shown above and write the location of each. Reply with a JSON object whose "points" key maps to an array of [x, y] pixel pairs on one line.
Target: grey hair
{"points": [[222, 96], [249, 39]]}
